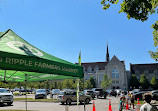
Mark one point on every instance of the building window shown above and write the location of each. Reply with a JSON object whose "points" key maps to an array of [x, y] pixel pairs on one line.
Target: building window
{"points": [[96, 68], [89, 69], [115, 73], [117, 82], [113, 82]]}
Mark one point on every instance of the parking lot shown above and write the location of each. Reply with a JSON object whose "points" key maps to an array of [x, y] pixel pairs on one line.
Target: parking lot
{"points": [[100, 104]]}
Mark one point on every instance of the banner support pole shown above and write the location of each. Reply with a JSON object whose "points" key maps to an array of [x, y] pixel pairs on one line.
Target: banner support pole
{"points": [[26, 90]]}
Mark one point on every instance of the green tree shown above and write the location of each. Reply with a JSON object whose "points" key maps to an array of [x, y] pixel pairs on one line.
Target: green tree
{"points": [[134, 82], [81, 82], [47, 84], [139, 10], [144, 82], [92, 82], [59, 85], [106, 82], [68, 83], [37, 85], [88, 84], [31, 85], [154, 83]]}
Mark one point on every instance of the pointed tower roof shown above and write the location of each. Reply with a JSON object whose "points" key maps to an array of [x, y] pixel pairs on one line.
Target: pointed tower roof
{"points": [[107, 54]]}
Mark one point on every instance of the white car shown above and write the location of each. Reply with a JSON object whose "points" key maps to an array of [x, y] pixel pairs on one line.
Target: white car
{"points": [[5, 96]]}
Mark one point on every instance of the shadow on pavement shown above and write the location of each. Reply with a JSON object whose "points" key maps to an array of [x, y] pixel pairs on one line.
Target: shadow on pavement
{"points": [[4, 105], [73, 104]]}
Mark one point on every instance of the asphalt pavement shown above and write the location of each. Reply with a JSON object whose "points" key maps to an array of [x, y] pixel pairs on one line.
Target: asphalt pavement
{"points": [[100, 105]]}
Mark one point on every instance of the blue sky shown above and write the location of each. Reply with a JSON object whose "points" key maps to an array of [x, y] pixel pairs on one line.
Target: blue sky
{"points": [[64, 27]]}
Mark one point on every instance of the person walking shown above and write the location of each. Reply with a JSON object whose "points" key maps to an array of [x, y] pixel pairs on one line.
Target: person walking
{"points": [[132, 99], [147, 106], [123, 99], [129, 98], [121, 105]]}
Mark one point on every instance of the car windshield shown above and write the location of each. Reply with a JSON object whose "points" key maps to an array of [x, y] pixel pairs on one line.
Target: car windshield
{"points": [[3, 91], [41, 90], [61, 93]]}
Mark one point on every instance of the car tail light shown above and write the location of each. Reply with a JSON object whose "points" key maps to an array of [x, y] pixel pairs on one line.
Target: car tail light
{"points": [[86, 93], [63, 97]]}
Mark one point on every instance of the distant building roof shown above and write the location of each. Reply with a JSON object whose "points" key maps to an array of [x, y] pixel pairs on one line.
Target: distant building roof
{"points": [[100, 65], [143, 67]]}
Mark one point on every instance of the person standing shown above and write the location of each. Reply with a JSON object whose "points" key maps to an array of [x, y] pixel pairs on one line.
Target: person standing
{"points": [[123, 99], [129, 98], [132, 99], [121, 105], [147, 106]]}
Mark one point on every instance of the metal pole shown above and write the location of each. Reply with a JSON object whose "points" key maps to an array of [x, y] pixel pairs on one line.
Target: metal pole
{"points": [[84, 95], [4, 75], [26, 90]]}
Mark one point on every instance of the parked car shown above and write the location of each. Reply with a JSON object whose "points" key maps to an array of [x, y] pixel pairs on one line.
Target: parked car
{"points": [[70, 96], [48, 91], [139, 95], [54, 92], [136, 90], [154, 95], [89, 92], [40, 93], [100, 92], [5, 96]]}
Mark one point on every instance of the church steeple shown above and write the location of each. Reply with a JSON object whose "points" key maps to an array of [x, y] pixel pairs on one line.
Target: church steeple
{"points": [[107, 54]]}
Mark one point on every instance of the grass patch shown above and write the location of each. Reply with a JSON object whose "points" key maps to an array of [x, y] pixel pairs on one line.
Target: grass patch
{"points": [[36, 100], [19, 99], [141, 102]]}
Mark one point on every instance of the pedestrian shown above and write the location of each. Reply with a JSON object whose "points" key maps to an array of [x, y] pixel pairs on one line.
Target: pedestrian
{"points": [[147, 106], [121, 105], [129, 98], [132, 99], [123, 99]]}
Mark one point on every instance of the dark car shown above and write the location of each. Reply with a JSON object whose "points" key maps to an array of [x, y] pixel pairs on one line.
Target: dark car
{"points": [[40, 93], [89, 92], [139, 95], [100, 92], [54, 92], [154, 95]]}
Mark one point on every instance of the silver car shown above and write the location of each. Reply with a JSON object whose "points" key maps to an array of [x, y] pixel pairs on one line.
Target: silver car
{"points": [[40, 93], [5, 96], [54, 92], [70, 96]]}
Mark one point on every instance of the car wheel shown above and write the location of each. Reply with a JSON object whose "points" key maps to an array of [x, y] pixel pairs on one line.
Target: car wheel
{"points": [[68, 101], [62, 102], [104, 97], [87, 101], [9, 104]]}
